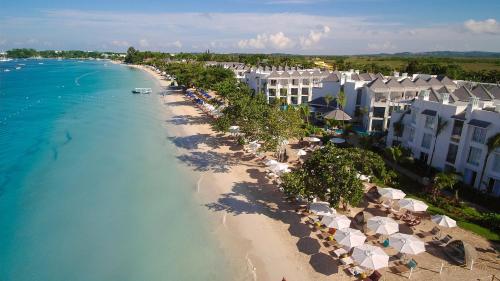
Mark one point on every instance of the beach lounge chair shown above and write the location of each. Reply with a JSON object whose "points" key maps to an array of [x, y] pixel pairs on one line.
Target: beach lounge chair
{"points": [[444, 241], [411, 265], [375, 276], [433, 232]]}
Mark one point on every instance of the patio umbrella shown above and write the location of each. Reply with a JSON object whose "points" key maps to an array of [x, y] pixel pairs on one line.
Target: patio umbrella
{"points": [[412, 205], [350, 237], [301, 152], [234, 129], [406, 244], [370, 257], [321, 208], [337, 114], [279, 167], [312, 139], [444, 221], [391, 193], [336, 221], [254, 145], [383, 225], [271, 162], [337, 140], [362, 177]]}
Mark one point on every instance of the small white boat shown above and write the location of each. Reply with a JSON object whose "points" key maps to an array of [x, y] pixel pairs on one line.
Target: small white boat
{"points": [[18, 67], [142, 91], [6, 70], [40, 63]]}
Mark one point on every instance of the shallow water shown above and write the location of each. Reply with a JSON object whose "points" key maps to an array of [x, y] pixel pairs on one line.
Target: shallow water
{"points": [[90, 188]]}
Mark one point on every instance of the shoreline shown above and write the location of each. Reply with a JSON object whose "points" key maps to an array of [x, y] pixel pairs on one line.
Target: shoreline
{"points": [[242, 204]]}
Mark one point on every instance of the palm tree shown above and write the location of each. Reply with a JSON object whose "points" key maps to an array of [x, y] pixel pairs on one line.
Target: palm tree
{"points": [[492, 144], [306, 112], [444, 180], [441, 124], [328, 99]]}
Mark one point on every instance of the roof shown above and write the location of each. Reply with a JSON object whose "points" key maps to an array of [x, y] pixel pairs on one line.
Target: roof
{"points": [[479, 123], [419, 82], [379, 75], [481, 92], [332, 77], [355, 77], [377, 85], [433, 82], [445, 80], [429, 112], [295, 74], [394, 85], [285, 74], [366, 77], [407, 83], [463, 94], [273, 74], [320, 101], [495, 92]]}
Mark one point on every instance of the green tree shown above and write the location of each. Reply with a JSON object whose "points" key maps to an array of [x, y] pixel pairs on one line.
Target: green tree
{"points": [[341, 99], [131, 56], [328, 99], [444, 180], [305, 110]]}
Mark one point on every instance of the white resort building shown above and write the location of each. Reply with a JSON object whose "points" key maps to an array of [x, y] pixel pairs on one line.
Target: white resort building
{"points": [[472, 116]]}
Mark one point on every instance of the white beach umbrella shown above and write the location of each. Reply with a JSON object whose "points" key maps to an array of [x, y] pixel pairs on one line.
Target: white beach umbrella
{"points": [[279, 167], [383, 225], [301, 152], [406, 244], [312, 139], [321, 208], [391, 193], [337, 140], [412, 205], [370, 257], [254, 145], [362, 177], [336, 221], [444, 221], [350, 237], [271, 162], [234, 129]]}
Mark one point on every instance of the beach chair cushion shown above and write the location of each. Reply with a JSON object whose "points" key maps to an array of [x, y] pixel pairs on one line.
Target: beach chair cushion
{"points": [[412, 264]]}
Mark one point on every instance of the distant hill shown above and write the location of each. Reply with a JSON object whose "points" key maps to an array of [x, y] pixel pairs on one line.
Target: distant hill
{"points": [[442, 54]]}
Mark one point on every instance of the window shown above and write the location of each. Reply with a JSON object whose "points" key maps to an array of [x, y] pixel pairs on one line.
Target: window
{"points": [[379, 112], [411, 135], [294, 100], [273, 82], [429, 122], [295, 82], [496, 163], [305, 81], [474, 156], [283, 92], [426, 141], [294, 91], [305, 91], [272, 100], [457, 128], [304, 99], [377, 125], [272, 92], [359, 94], [452, 153], [284, 82], [479, 135]]}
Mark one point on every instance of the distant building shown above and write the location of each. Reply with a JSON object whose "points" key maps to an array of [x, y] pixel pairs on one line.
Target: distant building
{"points": [[472, 116]]}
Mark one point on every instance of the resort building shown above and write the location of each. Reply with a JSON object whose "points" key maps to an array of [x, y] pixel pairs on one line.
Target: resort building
{"points": [[371, 98], [292, 85], [469, 117]]}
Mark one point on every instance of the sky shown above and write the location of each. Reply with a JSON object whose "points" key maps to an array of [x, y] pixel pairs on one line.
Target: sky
{"points": [[329, 27]]}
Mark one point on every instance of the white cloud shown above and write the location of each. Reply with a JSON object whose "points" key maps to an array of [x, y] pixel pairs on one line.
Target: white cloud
{"points": [[381, 47], [120, 43], [273, 41], [489, 26], [254, 43], [314, 37], [280, 41], [177, 44], [143, 43]]}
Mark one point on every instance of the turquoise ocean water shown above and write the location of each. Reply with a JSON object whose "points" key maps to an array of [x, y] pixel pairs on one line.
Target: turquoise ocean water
{"points": [[89, 186]]}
